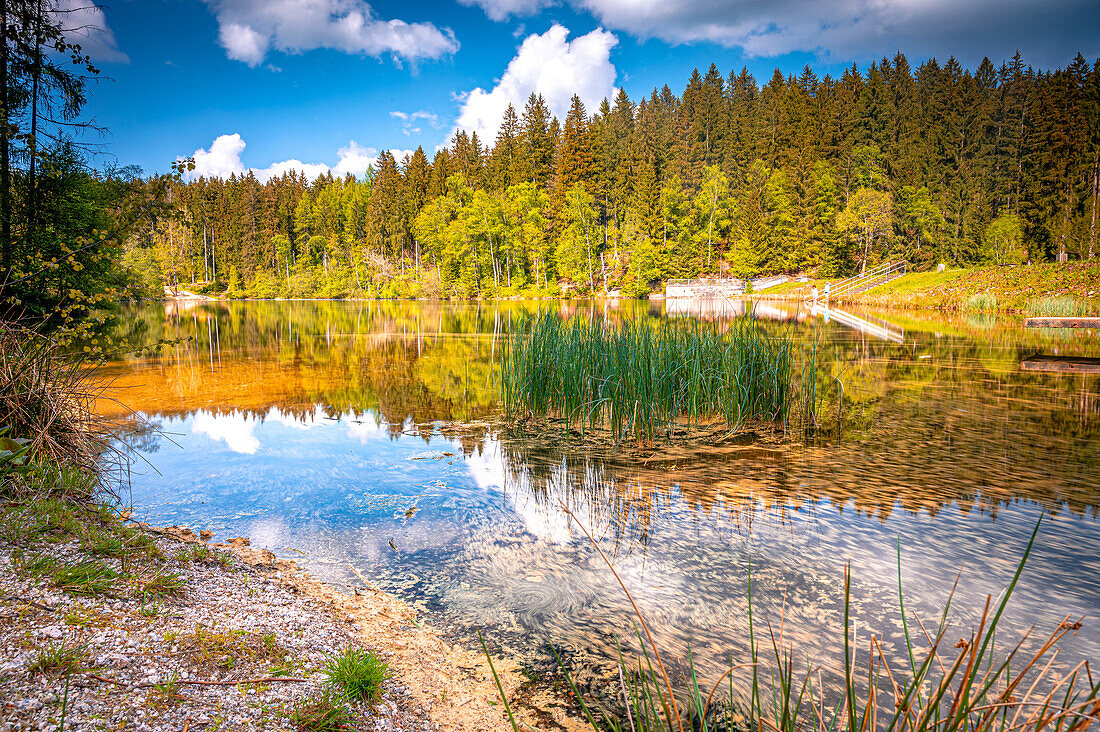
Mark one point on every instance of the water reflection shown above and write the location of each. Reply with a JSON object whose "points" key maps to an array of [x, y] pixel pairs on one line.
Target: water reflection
{"points": [[335, 429]]}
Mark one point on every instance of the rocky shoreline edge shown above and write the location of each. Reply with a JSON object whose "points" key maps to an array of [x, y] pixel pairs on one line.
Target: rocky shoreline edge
{"points": [[239, 647]]}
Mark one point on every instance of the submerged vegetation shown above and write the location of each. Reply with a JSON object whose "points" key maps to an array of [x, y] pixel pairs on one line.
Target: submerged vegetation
{"points": [[929, 684], [640, 377]]}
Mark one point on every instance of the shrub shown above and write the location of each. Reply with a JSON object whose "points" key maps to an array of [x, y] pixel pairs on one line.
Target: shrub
{"points": [[46, 399]]}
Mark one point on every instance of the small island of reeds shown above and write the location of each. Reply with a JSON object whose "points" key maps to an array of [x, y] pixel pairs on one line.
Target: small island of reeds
{"points": [[638, 378]]}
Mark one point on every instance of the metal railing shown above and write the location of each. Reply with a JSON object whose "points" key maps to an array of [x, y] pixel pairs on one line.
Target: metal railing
{"points": [[879, 275], [764, 283], [704, 287]]}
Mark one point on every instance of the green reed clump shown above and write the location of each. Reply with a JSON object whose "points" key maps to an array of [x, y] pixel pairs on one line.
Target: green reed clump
{"points": [[982, 302], [1065, 306], [638, 377]]}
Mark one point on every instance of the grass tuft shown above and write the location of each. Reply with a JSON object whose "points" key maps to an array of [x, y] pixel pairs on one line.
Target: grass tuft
{"points": [[58, 658], [157, 582], [357, 672], [328, 710], [982, 302], [89, 577]]}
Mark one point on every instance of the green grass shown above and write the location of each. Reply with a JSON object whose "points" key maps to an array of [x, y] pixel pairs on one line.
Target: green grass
{"points": [[156, 582], [1017, 289], [1064, 306], [930, 683], [917, 281], [58, 658], [328, 710], [981, 302], [88, 577], [358, 673], [639, 377]]}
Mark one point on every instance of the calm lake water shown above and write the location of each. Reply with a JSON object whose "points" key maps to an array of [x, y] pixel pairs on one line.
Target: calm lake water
{"points": [[359, 438]]}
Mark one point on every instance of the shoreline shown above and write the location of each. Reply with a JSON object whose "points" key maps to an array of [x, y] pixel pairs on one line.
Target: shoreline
{"points": [[141, 668]]}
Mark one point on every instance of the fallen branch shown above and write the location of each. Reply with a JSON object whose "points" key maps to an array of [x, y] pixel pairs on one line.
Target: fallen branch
{"points": [[196, 682]]}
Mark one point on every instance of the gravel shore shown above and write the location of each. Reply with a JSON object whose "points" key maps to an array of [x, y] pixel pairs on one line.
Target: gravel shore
{"points": [[239, 647]]}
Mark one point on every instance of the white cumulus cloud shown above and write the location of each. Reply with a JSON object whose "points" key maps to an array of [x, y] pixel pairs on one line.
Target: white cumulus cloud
{"points": [[1049, 32], [548, 64], [503, 9], [248, 29], [223, 159]]}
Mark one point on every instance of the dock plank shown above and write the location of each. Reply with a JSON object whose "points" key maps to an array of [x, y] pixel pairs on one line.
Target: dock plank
{"points": [[1062, 323], [1061, 364]]}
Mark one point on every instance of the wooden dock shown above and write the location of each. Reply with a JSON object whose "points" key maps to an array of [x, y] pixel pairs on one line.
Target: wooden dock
{"points": [[1061, 365], [1062, 323]]}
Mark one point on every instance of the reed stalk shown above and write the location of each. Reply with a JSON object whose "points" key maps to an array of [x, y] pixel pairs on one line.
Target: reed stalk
{"points": [[639, 378], [935, 686]]}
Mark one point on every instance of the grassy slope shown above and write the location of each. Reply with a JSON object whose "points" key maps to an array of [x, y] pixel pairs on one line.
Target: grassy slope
{"points": [[1013, 287]]}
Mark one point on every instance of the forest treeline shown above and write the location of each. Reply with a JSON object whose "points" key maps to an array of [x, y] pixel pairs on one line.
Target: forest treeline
{"points": [[804, 173]]}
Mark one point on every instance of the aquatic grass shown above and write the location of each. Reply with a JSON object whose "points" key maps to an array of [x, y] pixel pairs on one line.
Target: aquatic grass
{"points": [[933, 685], [981, 302], [359, 673], [1065, 306], [639, 377]]}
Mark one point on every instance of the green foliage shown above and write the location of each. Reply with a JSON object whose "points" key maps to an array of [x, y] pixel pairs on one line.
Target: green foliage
{"points": [[731, 176], [1004, 239], [982, 302], [867, 218], [328, 710], [357, 673], [1063, 306], [639, 378], [142, 273]]}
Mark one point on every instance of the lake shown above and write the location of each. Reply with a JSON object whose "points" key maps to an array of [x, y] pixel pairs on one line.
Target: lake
{"points": [[364, 438]]}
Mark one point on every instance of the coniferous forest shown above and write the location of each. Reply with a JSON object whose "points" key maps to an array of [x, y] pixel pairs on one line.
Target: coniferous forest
{"points": [[995, 165]]}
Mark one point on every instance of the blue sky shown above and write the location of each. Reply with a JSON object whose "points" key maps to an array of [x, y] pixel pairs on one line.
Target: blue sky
{"points": [[311, 83]]}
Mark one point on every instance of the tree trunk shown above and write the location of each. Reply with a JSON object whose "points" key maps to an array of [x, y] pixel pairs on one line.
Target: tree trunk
{"points": [[1095, 196], [36, 74], [5, 148]]}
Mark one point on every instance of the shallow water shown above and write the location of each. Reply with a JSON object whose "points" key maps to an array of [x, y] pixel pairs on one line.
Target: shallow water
{"points": [[326, 432]]}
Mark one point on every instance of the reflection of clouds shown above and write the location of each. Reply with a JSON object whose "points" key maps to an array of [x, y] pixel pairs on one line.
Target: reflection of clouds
{"points": [[290, 420], [234, 429], [366, 429], [541, 516], [237, 429]]}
